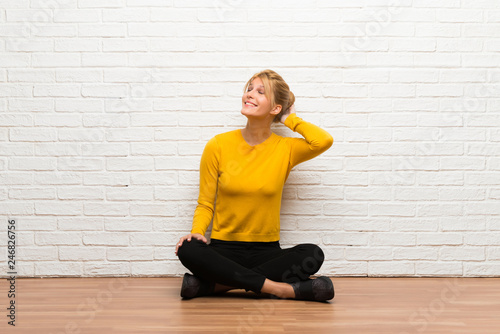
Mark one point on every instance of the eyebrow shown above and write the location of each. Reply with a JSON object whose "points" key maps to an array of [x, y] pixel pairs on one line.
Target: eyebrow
{"points": [[259, 86]]}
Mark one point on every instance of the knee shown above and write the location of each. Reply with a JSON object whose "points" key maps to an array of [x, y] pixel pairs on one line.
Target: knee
{"points": [[190, 250], [313, 257]]}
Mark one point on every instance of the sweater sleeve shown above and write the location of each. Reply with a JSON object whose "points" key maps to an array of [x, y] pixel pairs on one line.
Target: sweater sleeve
{"points": [[315, 141], [209, 172]]}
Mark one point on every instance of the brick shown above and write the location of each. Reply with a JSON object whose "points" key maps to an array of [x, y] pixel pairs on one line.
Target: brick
{"points": [[129, 224], [32, 193], [346, 239], [392, 238], [413, 45], [35, 254], [80, 193], [391, 268], [108, 269], [106, 178], [320, 193], [171, 14], [79, 164], [482, 208], [129, 254], [440, 209], [438, 239], [415, 224], [57, 178], [76, 45], [463, 224], [16, 120], [154, 239], [367, 164], [92, 135], [28, 163], [56, 208], [366, 194], [100, 3], [368, 253], [74, 253], [129, 164], [76, 16], [106, 239], [176, 194], [345, 209], [491, 268], [56, 60], [126, 15], [78, 75], [134, 193], [54, 269], [462, 253], [367, 135], [102, 30], [16, 208], [462, 194], [416, 194], [129, 134], [165, 209], [438, 268], [56, 91], [15, 90], [108, 91], [24, 75], [14, 60], [156, 149], [105, 120], [79, 224], [415, 253], [120, 45]]}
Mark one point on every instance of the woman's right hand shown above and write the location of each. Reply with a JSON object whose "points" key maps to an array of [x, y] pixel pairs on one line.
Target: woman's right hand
{"points": [[188, 237]]}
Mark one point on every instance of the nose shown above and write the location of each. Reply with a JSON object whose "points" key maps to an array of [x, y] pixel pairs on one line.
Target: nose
{"points": [[250, 93]]}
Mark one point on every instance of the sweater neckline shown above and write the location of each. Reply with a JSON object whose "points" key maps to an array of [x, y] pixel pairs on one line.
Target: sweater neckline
{"points": [[265, 142]]}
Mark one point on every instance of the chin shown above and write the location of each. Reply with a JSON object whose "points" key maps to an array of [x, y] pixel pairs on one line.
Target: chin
{"points": [[246, 112]]}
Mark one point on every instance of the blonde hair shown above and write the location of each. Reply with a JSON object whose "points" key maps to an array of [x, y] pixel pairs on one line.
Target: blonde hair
{"points": [[276, 90]]}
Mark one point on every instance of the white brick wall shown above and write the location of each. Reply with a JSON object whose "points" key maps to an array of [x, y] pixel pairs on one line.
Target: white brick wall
{"points": [[105, 107]]}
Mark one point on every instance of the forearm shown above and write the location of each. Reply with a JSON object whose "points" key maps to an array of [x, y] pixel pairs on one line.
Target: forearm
{"points": [[317, 138], [202, 217]]}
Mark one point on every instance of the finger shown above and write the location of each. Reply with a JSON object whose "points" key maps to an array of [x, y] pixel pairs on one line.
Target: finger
{"points": [[201, 238]]}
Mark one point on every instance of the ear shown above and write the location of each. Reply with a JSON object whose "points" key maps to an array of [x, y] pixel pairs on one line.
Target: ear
{"points": [[276, 110]]}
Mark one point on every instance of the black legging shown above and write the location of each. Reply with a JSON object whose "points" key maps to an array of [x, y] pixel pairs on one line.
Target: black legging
{"points": [[246, 265]]}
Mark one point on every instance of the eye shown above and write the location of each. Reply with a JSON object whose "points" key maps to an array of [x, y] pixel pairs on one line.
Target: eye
{"points": [[251, 88]]}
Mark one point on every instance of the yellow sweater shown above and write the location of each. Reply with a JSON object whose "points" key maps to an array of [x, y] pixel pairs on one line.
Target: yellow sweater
{"points": [[246, 182]]}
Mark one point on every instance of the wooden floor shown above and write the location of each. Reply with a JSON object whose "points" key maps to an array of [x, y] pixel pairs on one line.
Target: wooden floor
{"points": [[153, 305]]}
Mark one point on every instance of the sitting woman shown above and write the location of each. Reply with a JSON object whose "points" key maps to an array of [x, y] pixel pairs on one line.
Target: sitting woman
{"points": [[242, 174]]}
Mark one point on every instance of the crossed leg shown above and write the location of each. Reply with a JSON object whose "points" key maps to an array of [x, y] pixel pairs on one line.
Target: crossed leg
{"points": [[266, 272]]}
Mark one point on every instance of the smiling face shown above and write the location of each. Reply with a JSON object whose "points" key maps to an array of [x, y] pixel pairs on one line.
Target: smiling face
{"points": [[255, 103]]}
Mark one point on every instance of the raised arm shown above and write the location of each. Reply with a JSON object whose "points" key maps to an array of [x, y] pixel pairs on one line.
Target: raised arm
{"points": [[315, 141], [209, 172]]}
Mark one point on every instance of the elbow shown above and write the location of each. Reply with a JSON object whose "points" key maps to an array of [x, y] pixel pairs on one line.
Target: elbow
{"points": [[323, 144], [327, 142]]}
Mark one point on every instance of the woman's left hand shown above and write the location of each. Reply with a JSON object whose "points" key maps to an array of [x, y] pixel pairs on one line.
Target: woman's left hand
{"points": [[290, 110]]}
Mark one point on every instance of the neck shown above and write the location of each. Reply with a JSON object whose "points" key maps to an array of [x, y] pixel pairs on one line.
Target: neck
{"points": [[256, 131]]}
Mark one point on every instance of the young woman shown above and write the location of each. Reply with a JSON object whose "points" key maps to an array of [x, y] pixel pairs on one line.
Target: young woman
{"points": [[242, 174]]}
